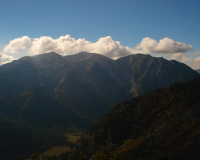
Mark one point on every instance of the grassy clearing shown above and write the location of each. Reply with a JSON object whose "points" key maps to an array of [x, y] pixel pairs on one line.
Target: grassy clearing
{"points": [[58, 150], [72, 138]]}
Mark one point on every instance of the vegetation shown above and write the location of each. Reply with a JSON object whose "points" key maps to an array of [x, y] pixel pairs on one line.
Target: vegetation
{"points": [[90, 84], [31, 121], [19, 140], [161, 124], [73, 138], [46, 98], [59, 150]]}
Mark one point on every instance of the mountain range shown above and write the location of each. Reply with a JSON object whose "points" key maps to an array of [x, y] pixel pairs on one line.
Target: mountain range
{"points": [[90, 84], [48, 91]]}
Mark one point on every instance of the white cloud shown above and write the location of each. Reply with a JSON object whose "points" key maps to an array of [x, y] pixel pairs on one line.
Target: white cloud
{"points": [[180, 57], [188, 59], [105, 46], [197, 59], [17, 44], [65, 45], [165, 46], [5, 59], [195, 63]]}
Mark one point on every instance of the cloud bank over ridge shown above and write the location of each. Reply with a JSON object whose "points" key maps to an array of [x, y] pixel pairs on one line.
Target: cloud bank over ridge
{"points": [[105, 46], [5, 59], [66, 45]]}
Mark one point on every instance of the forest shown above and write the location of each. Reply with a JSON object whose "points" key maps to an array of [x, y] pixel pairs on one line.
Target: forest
{"points": [[159, 125]]}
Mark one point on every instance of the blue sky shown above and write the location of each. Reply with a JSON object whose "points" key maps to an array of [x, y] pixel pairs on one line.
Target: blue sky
{"points": [[126, 21]]}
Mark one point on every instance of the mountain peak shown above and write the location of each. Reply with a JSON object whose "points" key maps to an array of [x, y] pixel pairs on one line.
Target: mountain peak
{"points": [[48, 55], [85, 55], [112, 80]]}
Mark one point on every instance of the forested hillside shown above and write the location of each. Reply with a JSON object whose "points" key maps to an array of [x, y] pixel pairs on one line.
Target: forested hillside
{"points": [[164, 123]]}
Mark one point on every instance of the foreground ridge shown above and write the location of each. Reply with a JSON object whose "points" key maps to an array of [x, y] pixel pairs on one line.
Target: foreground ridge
{"points": [[157, 125]]}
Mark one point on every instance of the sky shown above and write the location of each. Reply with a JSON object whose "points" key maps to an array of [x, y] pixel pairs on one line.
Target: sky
{"points": [[113, 28]]}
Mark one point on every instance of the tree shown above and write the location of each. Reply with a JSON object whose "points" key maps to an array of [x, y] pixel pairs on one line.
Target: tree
{"points": [[35, 156], [54, 156], [48, 158]]}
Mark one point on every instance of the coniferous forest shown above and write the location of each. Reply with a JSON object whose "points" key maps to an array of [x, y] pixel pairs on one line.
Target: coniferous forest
{"points": [[160, 125]]}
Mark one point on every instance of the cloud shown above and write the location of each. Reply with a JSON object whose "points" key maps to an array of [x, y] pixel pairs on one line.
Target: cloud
{"points": [[188, 59], [165, 46], [65, 45], [106, 46], [17, 44], [180, 57], [197, 59], [5, 59], [195, 63]]}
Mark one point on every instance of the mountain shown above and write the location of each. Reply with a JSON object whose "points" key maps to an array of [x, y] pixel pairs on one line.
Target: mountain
{"points": [[32, 121], [163, 124], [31, 104], [46, 96], [90, 84], [41, 70], [144, 73]]}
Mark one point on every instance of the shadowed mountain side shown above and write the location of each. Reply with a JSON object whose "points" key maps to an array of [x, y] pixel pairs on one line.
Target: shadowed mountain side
{"points": [[78, 97], [31, 104], [44, 70], [99, 81], [107, 81], [153, 126], [145, 73], [164, 123]]}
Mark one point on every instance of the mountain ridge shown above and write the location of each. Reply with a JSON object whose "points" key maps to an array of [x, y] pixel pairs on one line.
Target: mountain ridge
{"points": [[111, 81], [159, 125], [55, 94]]}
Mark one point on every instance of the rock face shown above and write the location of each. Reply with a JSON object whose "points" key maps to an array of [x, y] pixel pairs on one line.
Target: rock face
{"points": [[91, 84]]}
